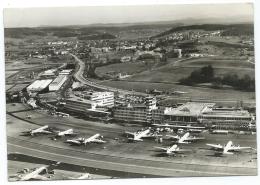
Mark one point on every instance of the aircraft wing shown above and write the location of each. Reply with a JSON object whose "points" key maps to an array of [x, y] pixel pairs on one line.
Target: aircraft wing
{"points": [[161, 148], [98, 141], [73, 142], [71, 134], [173, 137], [239, 148], [44, 131], [40, 177], [130, 133], [215, 146], [152, 135], [183, 150], [194, 138]]}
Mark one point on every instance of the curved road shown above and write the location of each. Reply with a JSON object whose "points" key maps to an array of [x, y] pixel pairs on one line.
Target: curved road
{"points": [[79, 76]]}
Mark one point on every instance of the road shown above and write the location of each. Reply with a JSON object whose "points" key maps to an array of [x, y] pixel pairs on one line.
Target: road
{"points": [[79, 76]]}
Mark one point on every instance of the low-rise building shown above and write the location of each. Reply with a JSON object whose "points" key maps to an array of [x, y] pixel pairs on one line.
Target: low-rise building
{"points": [[57, 83], [145, 113], [103, 99], [84, 106], [79, 104], [66, 72], [130, 113], [48, 73], [39, 85], [208, 115], [225, 118]]}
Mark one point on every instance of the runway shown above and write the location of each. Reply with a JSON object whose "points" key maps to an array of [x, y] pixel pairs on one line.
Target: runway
{"points": [[130, 165]]}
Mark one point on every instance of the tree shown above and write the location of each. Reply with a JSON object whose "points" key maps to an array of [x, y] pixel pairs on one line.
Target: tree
{"points": [[207, 72]]}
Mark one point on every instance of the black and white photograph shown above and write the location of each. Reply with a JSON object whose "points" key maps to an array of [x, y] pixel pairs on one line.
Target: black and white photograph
{"points": [[134, 91]]}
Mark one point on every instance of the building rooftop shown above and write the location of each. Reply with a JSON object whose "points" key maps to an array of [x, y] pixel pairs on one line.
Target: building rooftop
{"points": [[80, 100], [17, 88], [66, 70], [39, 84], [58, 79], [226, 112], [189, 109]]}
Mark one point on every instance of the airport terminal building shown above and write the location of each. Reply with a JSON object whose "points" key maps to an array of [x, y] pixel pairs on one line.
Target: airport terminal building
{"points": [[192, 113], [83, 106], [103, 99], [79, 104], [144, 113], [209, 115]]}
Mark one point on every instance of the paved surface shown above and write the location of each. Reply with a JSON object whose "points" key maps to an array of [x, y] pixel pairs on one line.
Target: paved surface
{"points": [[119, 163], [120, 155]]}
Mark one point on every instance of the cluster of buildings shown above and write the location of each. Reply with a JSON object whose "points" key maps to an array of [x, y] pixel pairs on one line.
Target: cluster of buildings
{"points": [[193, 113], [192, 35], [51, 80]]}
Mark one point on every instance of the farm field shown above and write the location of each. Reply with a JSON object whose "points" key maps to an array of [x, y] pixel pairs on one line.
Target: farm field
{"points": [[129, 68], [192, 92], [173, 71]]}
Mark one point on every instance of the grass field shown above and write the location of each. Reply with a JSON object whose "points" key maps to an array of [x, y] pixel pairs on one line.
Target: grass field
{"points": [[165, 77], [172, 72], [129, 67], [194, 92], [19, 64]]}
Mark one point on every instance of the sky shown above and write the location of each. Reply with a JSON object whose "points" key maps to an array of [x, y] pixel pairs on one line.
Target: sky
{"points": [[59, 16]]}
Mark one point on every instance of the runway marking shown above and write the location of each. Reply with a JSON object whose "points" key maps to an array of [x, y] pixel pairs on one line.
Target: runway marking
{"points": [[124, 165]]}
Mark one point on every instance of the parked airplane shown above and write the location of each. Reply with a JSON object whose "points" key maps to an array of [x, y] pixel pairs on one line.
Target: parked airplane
{"points": [[81, 177], [137, 136], [186, 138], [179, 126], [36, 174], [68, 132], [179, 92], [228, 147], [92, 139], [172, 149], [41, 130]]}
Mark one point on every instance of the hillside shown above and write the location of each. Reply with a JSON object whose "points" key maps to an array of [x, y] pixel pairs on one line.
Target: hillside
{"points": [[228, 30]]}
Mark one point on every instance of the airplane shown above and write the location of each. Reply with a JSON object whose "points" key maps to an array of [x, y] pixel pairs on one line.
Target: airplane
{"points": [[35, 174], [68, 132], [179, 92], [92, 139], [228, 147], [81, 177], [179, 126], [185, 139], [172, 149], [137, 136], [41, 130]]}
